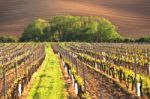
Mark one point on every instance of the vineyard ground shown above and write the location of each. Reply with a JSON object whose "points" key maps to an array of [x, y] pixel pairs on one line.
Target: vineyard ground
{"points": [[52, 81], [48, 83]]}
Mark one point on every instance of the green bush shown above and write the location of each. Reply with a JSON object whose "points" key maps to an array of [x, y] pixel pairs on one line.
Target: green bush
{"points": [[5, 39], [143, 39]]}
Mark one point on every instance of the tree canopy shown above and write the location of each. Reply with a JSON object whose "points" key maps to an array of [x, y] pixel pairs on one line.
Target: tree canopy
{"points": [[35, 31], [71, 28]]}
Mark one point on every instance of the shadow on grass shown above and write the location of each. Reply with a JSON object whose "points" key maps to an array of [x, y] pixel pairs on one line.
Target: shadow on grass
{"points": [[37, 94]]}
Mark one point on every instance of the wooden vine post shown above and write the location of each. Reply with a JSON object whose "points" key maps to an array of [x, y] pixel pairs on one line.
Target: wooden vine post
{"points": [[84, 78], [30, 67], [148, 58], [101, 94], [119, 57], [4, 77], [31, 60], [135, 69], [4, 82], [24, 64], [76, 63], [15, 65]]}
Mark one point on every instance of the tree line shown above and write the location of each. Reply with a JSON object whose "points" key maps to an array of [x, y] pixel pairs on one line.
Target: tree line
{"points": [[73, 28]]}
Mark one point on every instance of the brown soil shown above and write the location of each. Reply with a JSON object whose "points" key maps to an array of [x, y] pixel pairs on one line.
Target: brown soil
{"points": [[131, 16], [97, 83], [10, 78], [29, 85], [69, 86]]}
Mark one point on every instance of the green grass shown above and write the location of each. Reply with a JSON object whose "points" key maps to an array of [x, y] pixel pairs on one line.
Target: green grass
{"points": [[49, 83]]}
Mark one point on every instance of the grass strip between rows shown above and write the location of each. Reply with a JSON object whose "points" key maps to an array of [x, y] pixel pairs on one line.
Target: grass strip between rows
{"points": [[48, 83]]}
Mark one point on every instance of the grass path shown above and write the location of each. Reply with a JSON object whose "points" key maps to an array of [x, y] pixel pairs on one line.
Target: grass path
{"points": [[48, 83]]}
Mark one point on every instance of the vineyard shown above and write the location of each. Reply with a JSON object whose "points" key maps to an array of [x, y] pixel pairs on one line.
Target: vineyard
{"points": [[96, 70], [17, 64], [118, 71]]}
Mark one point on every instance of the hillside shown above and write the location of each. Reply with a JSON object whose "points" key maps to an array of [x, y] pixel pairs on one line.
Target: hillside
{"points": [[131, 16]]}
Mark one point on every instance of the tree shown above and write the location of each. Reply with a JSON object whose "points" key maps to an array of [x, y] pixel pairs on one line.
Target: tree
{"points": [[35, 31], [71, 28], [107, 31]]}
